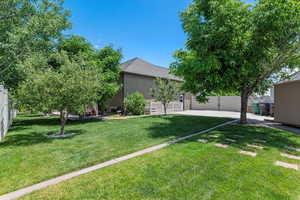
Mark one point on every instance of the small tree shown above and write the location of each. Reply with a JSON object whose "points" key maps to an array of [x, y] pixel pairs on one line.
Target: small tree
{"points": [[135, 104], [165, 91], [66, 90]]}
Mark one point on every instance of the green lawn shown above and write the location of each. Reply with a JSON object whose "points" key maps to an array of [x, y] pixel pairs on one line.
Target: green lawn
{"points": [[194, 171], [27, 156]]}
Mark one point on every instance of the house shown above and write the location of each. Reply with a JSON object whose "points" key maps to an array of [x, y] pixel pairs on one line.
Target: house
{"points": [[287, 102], [138, 75]]}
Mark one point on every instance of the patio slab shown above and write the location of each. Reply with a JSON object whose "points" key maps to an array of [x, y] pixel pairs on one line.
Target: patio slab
{"points": [[248, 153], [230, 140], [221, 145], [202, 140], [292, 149], [213, 136], [259, 140], [286, 155], [255, 146], [287, 165]]}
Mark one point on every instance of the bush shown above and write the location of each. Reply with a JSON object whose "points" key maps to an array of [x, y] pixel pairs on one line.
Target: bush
{"points": [[135, 104]]}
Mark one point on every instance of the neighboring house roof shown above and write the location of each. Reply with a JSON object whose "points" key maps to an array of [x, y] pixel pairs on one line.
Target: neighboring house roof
{"points": [[297, 76], [141, 67]]}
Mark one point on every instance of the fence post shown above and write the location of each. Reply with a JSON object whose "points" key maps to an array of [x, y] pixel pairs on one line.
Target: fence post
{"points": [[6, 112]]}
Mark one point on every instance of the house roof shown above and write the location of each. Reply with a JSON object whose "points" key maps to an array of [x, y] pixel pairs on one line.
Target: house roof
{"points": [[288, 82], [295, 78], [141, 67]]}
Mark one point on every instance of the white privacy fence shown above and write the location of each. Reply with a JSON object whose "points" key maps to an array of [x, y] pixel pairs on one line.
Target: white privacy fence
{"points": [[219, 103], [7, 113], [157, 108]]}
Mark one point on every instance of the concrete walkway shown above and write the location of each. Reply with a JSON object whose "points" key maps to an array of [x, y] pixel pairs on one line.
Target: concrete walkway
{"points": [[283, 127], [27, 190], [227, 114], [254, 119]]}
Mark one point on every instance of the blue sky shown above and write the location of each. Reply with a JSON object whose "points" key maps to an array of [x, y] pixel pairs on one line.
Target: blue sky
{"points": [[148, 29]]}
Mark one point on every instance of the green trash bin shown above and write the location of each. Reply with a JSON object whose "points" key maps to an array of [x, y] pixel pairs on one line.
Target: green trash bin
{"points": [[256, 108]]}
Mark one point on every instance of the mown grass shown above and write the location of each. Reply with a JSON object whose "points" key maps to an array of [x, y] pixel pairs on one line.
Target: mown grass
{"points": [[194, 171], [27, 156]]}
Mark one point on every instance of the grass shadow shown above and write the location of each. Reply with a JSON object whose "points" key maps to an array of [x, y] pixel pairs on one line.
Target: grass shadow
{"points": [[265, 137], [274, 138], [17, 140], [49, 121], [180, 125]]}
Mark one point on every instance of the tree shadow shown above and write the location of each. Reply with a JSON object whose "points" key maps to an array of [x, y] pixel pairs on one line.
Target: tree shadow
{"points": [[240, 136], [33, 138], [180, 125], [17, 128], [49, 121]]}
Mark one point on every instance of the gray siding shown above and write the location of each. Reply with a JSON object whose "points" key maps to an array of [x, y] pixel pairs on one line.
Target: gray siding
{"points": [[138, 83], [117, 100], [287, 103], [132, 83]]}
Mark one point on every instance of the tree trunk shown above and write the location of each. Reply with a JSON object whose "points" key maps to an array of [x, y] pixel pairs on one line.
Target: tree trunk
{"points": [[63, 120], [165, 108], [244, 107]]}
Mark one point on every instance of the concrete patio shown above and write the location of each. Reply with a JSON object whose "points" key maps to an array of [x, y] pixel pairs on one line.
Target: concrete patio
{"points": [[236, 115], [212, 113]]}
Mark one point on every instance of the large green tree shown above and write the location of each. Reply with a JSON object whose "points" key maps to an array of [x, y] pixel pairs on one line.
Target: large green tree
{"points": [[109, 60], [27, 27], [66, 89], [236, 47], [106, 60]]}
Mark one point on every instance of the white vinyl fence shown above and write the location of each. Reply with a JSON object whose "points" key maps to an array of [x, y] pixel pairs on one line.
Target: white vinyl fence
{"points": [[219, 103], [7, 113], [157, 108]]}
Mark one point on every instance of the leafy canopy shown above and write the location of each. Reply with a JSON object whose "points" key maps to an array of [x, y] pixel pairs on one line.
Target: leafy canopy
{"points": [[106, 61], [27, 27], [67, 89], [235, 47], [165, 91]]}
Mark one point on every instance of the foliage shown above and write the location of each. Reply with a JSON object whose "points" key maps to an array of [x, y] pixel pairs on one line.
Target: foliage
{"points": [[27, 27], [75, 45], [135, 104], [165, 91], [66, 90], [236, 47], [106, 61]]}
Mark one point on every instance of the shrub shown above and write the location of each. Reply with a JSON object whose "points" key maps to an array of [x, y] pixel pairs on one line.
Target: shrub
{"points": [[135, 104]]}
